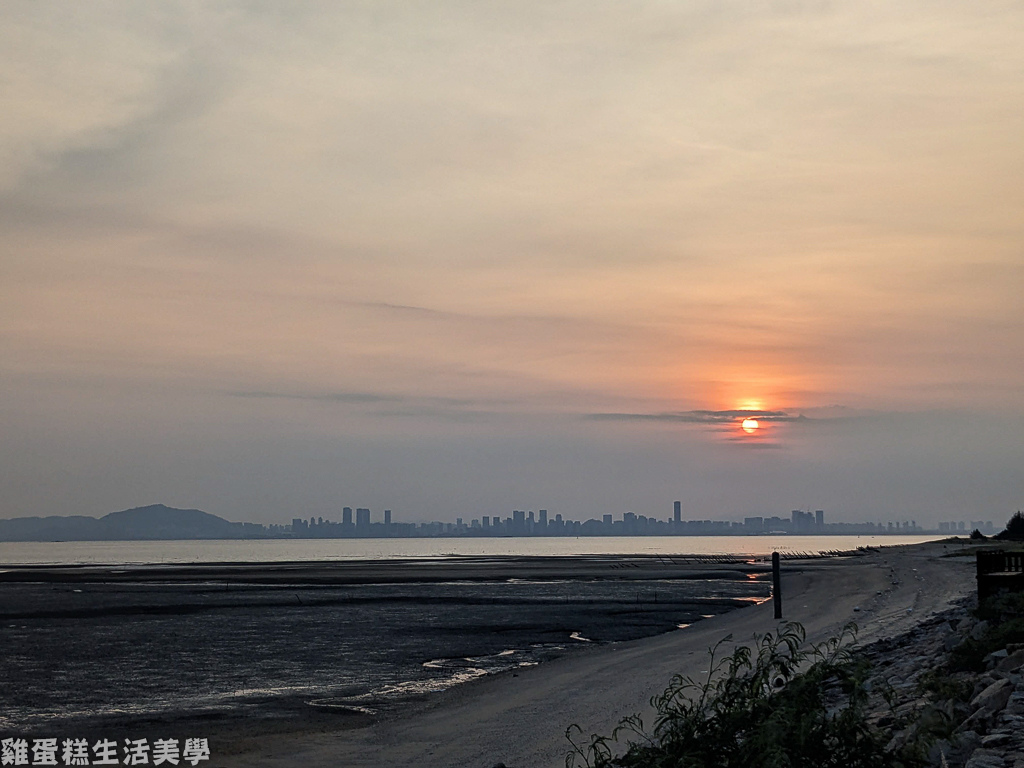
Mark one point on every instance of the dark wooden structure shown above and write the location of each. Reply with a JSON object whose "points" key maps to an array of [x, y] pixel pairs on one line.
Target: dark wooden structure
{"points": [[999, 571]]}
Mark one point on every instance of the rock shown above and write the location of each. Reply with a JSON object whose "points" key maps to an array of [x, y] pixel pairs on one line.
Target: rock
{"points": [[979, 629], [994, 657], [1011, 662], [995, 739], [994, 697], [938, 752], [979, 721], [1015, 705], [985, 758], [967, 741]]}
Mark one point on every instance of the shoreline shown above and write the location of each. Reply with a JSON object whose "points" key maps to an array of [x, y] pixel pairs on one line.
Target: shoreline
{"points": [[218, 625], [197, 551], [519, 719], [519, 716]]}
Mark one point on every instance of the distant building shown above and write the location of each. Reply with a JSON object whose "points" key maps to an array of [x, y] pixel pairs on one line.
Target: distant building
{"points": [[801, 522], [677, 512], [363, 520]]}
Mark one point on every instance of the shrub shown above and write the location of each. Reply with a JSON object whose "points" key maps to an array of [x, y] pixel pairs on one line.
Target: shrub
{"points": [[945, 686], [1005, 614], [1014, 528], [777, 706]]}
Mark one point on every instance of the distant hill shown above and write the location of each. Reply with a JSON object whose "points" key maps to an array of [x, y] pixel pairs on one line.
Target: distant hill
{"points": [[153, 522]]}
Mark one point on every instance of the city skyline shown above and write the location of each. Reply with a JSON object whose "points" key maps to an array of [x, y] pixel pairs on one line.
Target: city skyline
{"points": [[582, 255], [160, 522], [524, 523]]}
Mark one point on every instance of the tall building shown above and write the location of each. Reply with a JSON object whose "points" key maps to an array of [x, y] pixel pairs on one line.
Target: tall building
{"points": [[362, 519], [346, 516], [387, 517], [802, 522], [677, 512], [518, 521], [819, 518], [542, 520]]}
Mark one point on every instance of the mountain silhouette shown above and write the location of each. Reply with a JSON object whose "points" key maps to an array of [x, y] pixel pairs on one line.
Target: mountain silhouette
{"points": [[155, 522]]}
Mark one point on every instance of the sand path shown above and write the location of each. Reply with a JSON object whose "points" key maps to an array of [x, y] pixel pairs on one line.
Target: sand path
{"points": [[521, 720]]}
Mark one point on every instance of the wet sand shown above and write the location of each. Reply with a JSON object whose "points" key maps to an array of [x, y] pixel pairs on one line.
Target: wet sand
{"points": [[521, 719], [420, 570], [237, 651]]}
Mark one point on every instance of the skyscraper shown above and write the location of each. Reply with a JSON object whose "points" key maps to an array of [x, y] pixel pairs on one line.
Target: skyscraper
{"points": [[363, 520]]}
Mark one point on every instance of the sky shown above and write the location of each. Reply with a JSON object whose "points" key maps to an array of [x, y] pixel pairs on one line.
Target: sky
{"points": [[269, 259]]}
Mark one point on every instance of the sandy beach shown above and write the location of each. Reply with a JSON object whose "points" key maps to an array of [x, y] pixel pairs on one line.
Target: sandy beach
{"points": [[520, 719]]}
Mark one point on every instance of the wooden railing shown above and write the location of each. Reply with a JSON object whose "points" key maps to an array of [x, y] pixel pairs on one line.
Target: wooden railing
{"points": [[999, 571], [990, 561]]}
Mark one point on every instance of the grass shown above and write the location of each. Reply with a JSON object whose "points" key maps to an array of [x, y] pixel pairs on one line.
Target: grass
{"points": [[780, 704]]}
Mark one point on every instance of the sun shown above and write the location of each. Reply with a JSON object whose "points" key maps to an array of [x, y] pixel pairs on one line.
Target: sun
{"points": [[750, 426]]}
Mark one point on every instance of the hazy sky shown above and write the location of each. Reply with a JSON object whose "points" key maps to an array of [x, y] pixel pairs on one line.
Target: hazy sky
{"points": [[453, 258]]}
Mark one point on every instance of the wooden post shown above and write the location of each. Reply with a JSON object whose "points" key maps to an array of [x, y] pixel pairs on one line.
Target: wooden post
{"points": [[776, 585]]}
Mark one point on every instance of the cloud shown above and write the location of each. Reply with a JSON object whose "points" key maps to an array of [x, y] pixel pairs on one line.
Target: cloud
{"points": [[391, 405], [340, 216], [701, 417]]}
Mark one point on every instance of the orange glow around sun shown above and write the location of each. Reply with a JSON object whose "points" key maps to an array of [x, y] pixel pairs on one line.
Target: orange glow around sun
{"points": [[750, 426]]}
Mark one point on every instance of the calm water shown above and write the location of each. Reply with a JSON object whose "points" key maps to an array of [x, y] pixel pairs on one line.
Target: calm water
{"points": [[115, 657], [285, 550]]}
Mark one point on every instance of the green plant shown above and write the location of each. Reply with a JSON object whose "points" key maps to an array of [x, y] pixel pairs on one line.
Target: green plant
{"points": [[777, 705], [1002, 607], [1014, 528], [1005, 614], [945, 686], [970, 654]]}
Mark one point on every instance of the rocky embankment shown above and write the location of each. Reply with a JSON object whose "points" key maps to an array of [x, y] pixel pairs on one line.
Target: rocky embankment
{"points": [[932, 689]]}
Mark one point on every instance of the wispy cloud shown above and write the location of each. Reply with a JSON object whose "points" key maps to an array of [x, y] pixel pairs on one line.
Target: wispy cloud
{"points": [[701, 417], [362, 398]]}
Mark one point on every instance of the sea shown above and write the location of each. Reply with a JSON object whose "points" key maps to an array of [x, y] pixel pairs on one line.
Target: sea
{"points": [[304, 550], [138, 658]]}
